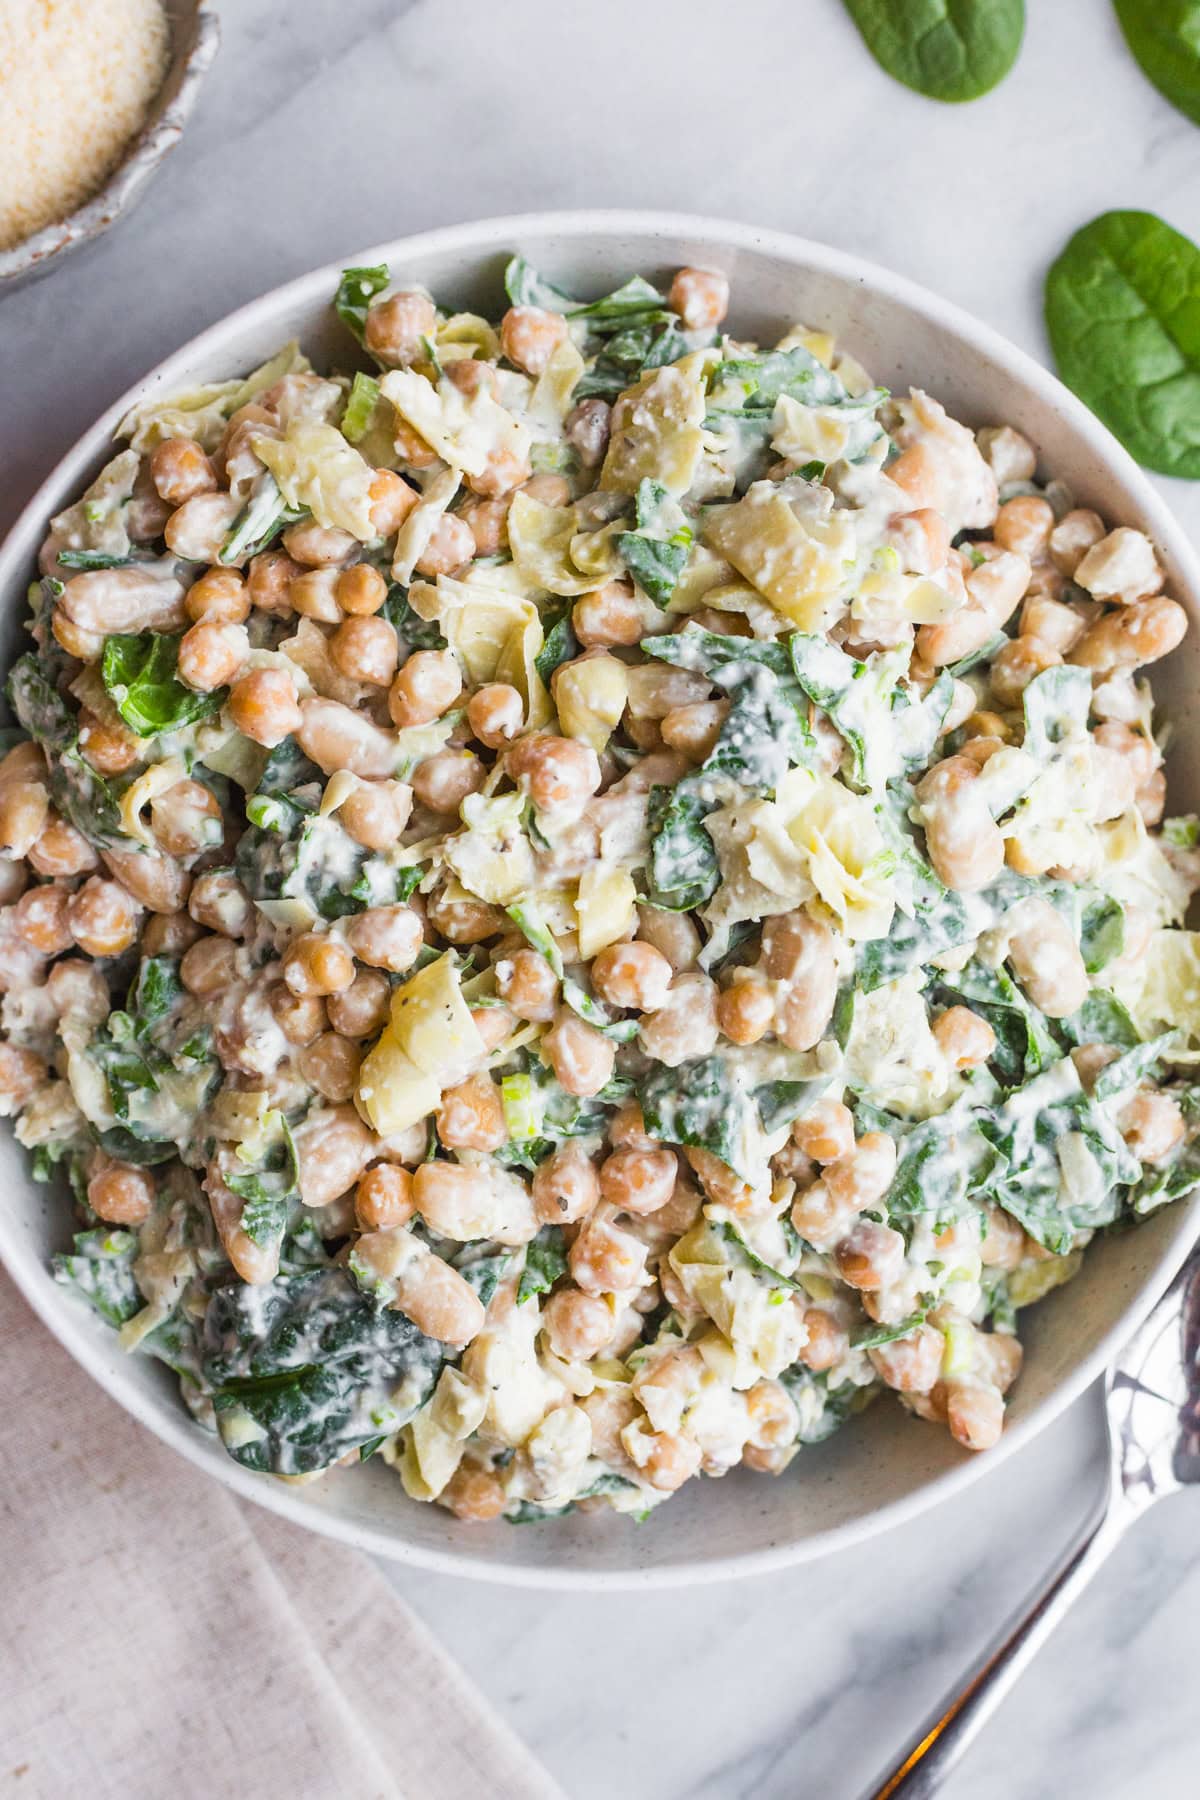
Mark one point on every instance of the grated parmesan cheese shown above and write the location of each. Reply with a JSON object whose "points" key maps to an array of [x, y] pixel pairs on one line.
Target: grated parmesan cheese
{"points": [[76, 81]]}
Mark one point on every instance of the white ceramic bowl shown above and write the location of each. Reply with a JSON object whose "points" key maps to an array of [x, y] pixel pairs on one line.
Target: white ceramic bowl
{"points": [[885, 1466]]}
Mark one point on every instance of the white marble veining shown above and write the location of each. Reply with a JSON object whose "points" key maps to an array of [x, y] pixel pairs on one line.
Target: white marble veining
{"points": [[330, 124]]}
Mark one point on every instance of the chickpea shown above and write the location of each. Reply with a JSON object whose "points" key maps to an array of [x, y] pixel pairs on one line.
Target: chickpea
{"points": [[209, 965], [61, 850], [464, 921], [443, 781], [495, 714], [333, 1147], [1045, 957], [269, 579], [608, 616], [566, 1187], [313, 595], [386, 937], [685, 1025], [798, 951], [719, 1181], [438, 1300], [1008, 453], [827, 1342], [337, 737], [548, 489], [494, 1024], [866, 1174], [672, 933], [180, 470], [1024, 524], [1141, 753], [487, 521], [471, 375], [745, 1011], [211, 655], [300, 1017], [672, 1461], [963, 1038], [700, 297], [40, 917], [365, 650], [870, 1256], [451, 543], [330, 1065], [587, 428], [22, 1073], [473, 1494], [319, 546], [627, 1129], [79, 641], [1016, 664], [825, 1132], [774, 1420], [264, 706], [1122, 566], [395, 326], [119, 1193], [578, 1326], [922, 540], [604, 1259], [912, 1364], [471, 1117], [103, 917], [998, 1357], [376, 813], [109, 748], [452, 1197], [695, 728], [639, 1181], [360, 591], [411, 447], [219, 901], [964, 843], [392, 499], [975, 1416], [197, 529], [360, 1010], [1152, 1125], [1073, 537], [1139, 633], [383, 1198], [632, 975], [1004, 1242], [528, 986], [316, 964], [168, 934], [529, 336], [1056, 626], [1151, 799], [581, 1057], [220, 596], [426, 687]]}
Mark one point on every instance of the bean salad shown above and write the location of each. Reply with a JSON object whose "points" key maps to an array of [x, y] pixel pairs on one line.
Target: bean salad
{"points": [[580, 897]]}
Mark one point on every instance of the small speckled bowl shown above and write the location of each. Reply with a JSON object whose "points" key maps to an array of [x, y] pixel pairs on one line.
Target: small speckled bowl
{"points": [[194, 38]]}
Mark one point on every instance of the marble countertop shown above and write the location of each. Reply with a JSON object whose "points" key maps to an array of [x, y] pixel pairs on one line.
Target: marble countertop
{"points": [[331, 124]]}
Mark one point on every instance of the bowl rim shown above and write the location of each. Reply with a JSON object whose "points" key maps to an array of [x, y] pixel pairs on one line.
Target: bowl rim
{"points": [[474, 238]]}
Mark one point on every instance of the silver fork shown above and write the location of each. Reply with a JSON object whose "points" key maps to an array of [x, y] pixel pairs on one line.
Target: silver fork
{"points": [[1152, 1408]]}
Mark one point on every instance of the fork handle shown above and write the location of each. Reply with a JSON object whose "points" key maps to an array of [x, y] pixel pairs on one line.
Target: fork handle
{"points": [[954, 1725]]}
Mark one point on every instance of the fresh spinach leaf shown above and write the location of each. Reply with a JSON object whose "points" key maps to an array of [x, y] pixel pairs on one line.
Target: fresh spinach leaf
{"points": [[1164, 35], [37, 703], [305, 1368], [101, 1269], [705, 1105], [1056, 706], [775, 1277], [545, 1262], [1123, 313], [138, 670], [1102, 1019], [270, 1188], [418, 633], [779, 1102], [656, 553], [559, 644], [876, 1335], [355, 291], [822, 1408], [1101, 933], [260, 521], [1025, 1044], [951, 50]]}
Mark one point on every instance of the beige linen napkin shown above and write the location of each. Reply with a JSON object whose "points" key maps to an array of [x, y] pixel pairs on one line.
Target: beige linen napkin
{"points": [[160, 1640]]}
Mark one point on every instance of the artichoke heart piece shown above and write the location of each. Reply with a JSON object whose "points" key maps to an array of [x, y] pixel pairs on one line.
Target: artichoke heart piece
{"points": [[428, 1040], [467, 431], [660, 436], [800, 565]]}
